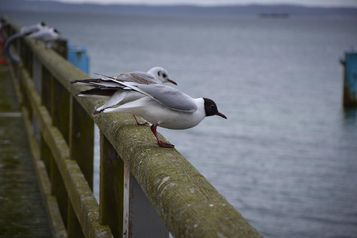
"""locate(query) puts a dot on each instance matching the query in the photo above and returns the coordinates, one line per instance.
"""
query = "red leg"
(160, 142)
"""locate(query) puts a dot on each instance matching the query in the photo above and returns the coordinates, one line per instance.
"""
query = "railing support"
(111, 203)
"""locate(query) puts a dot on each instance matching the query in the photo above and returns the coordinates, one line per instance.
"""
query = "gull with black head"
(164, 106)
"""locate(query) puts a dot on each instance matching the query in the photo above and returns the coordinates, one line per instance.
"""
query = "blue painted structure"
(78, 56)
(350, 79)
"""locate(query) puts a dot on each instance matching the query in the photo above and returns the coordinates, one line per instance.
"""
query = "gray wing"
(137, 77)
(43, 35)
(29, 29)
(169, 97)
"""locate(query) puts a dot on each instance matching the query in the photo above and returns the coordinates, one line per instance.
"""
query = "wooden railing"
(145, 191)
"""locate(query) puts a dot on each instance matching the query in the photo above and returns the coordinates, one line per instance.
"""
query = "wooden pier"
(21, 213)
(145, 191)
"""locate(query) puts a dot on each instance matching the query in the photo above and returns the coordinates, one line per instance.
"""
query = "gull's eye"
(164, 75)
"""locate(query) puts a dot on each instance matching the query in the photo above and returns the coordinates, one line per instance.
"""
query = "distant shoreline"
(264, 11)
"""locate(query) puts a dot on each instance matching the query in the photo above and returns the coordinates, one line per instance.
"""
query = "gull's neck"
(200, 104)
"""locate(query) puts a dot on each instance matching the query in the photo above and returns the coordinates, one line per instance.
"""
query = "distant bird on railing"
(27, 30)
(24, 31)
(163, 106)
(39, 31)
(47, 34)
(109, 86)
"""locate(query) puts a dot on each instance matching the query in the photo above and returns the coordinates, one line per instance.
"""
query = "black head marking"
(43, 23)
(211, 108)
(159, 73)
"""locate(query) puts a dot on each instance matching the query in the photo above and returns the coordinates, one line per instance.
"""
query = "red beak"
(221, 115)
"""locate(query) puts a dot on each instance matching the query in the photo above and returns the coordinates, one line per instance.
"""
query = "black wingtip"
(96, 112)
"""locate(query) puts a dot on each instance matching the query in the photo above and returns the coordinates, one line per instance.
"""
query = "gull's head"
(42, 23)
(161, 74)
(211, 108)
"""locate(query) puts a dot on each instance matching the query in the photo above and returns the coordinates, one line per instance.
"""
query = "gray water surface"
(286, 158)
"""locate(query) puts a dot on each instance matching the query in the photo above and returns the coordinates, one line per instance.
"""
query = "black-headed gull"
(164, 106)
(109, 86)
(47, 34)
(24, 31)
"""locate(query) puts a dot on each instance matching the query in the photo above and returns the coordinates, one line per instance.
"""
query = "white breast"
(167, 118)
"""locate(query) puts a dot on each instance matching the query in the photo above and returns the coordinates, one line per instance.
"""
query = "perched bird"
(164, 106)
(109, 86)
(47, 34)
(24, 31)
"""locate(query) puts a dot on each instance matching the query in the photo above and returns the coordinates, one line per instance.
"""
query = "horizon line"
(197, 4)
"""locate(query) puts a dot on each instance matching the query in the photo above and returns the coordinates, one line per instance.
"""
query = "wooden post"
(61, 47)
(350, 79)
(74, 229)
(46, 89)
(111, 189)
(37, 78)
(82, 140)
(58, 189)
(60, 108)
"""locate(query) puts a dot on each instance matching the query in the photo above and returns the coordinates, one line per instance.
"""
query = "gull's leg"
(160, 142)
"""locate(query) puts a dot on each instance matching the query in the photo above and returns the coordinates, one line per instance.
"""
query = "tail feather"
(99, 83)
(98, 92)
(86, 81)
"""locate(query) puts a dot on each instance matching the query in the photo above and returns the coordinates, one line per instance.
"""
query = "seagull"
(164, 106)
(110, 86)
(24, 31)
(46, 34)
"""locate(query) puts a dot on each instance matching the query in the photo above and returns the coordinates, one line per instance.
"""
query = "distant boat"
(274, 15)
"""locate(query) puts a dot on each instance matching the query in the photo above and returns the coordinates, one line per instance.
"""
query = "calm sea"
(287, 155)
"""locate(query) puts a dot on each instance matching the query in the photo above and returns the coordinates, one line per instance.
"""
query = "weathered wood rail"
(145, 191)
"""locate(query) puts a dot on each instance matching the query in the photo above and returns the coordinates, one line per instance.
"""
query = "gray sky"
(220, 2)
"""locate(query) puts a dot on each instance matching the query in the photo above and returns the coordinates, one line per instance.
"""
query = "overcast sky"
(220, 2)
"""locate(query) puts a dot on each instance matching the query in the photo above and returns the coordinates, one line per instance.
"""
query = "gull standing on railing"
(24, 31)
(47, 34)
(108, 86)
(163, 106)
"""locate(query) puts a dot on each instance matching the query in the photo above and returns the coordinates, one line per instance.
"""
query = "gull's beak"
(171, 81)
(221, 115)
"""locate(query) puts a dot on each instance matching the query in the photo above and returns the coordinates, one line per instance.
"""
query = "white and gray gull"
(163, 106)
(46, 34)
(107, 86)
